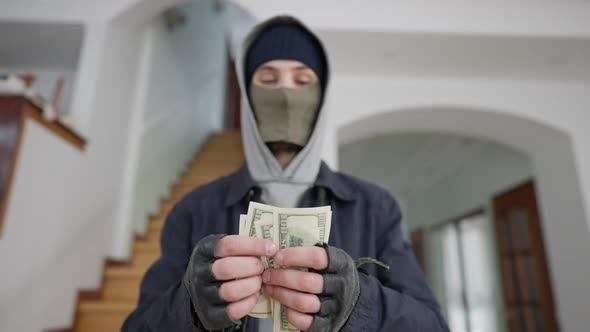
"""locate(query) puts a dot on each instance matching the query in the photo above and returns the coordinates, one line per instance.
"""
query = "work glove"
(341, 291)
(203, 288)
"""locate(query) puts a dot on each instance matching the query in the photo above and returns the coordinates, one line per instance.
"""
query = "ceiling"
(381, 53)
(502, 39)
(63, 10)
(409, 164)
(452, 56)
(40, 45)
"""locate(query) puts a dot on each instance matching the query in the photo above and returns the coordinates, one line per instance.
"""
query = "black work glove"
(203, 288)
(341, 291)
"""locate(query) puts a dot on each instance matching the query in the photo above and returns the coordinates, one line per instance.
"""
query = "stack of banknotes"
(286, 228)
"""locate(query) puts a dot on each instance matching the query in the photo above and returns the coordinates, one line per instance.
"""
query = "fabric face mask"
(286, 115)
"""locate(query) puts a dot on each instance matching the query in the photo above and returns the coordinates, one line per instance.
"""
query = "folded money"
(286, 227)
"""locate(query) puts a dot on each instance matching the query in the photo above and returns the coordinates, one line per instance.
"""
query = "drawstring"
(251, 195)
(321, 196)
(238, 327)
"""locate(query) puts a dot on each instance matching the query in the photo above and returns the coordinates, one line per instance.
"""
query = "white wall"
(62, 209)
(66, 204)
(42, 225)
(545, 119)
(179, 103)
(62, 10)
(472, 186)
(59, 222)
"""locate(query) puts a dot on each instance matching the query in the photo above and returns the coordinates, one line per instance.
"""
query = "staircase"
(106, 309)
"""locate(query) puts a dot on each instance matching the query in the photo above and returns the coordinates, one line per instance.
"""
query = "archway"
(558, 186)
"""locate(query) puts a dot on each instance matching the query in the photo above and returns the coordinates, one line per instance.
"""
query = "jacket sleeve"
(164, 304)
(397, 299)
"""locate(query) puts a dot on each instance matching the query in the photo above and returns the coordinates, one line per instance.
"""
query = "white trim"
(87, 75)
(123, 228)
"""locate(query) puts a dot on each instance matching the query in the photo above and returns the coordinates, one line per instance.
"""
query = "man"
(206, 280)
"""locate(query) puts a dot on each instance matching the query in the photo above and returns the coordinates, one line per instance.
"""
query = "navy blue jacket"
(366, 222)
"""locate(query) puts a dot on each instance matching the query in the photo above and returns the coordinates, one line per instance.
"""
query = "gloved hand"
(341, 291)
(320, 299)
(223, 278)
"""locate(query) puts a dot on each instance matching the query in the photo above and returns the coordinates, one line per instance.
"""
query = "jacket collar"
(241, 183)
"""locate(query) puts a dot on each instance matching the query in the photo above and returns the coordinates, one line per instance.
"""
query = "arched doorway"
(550, 150)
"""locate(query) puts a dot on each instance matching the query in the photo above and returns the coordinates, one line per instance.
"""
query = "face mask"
(286, 115)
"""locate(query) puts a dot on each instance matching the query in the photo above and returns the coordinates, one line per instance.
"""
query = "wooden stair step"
(187, 185)
(100, 316)
(127, 272)
(96, 306)
(211, 154)
(224, 140)
(121, 290)
(153, 234)
(165, 207)
(204, 176)
(156, 226)
(191, 182)
(226, 151)
(215, 151)
(209, 161)
(147, 246)
(144, 259)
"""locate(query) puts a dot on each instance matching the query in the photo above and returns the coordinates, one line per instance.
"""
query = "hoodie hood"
(281, 187)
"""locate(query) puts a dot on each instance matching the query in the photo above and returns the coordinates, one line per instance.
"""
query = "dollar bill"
(296, 228)
(265, 231)
(260, 215)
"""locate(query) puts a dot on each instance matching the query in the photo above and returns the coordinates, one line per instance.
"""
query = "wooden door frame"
(537, 242)
(233, 94)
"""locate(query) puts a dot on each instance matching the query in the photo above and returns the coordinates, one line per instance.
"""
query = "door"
(417, 241)
(233, 95)
(527, 286)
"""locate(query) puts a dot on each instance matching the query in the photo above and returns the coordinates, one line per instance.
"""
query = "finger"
(302, 302)
(312, 257)
(232, 291)
(236, 245)
(308, 282)
(230, 268)
(298, 319)
(237, 310)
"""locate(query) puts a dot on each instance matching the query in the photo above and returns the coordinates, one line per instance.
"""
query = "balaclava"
(285, 115)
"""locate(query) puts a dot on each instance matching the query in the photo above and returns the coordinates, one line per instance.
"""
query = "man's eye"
(303, 80)
(267, 79)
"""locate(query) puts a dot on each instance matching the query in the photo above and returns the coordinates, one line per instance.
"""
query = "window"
(468, 275)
